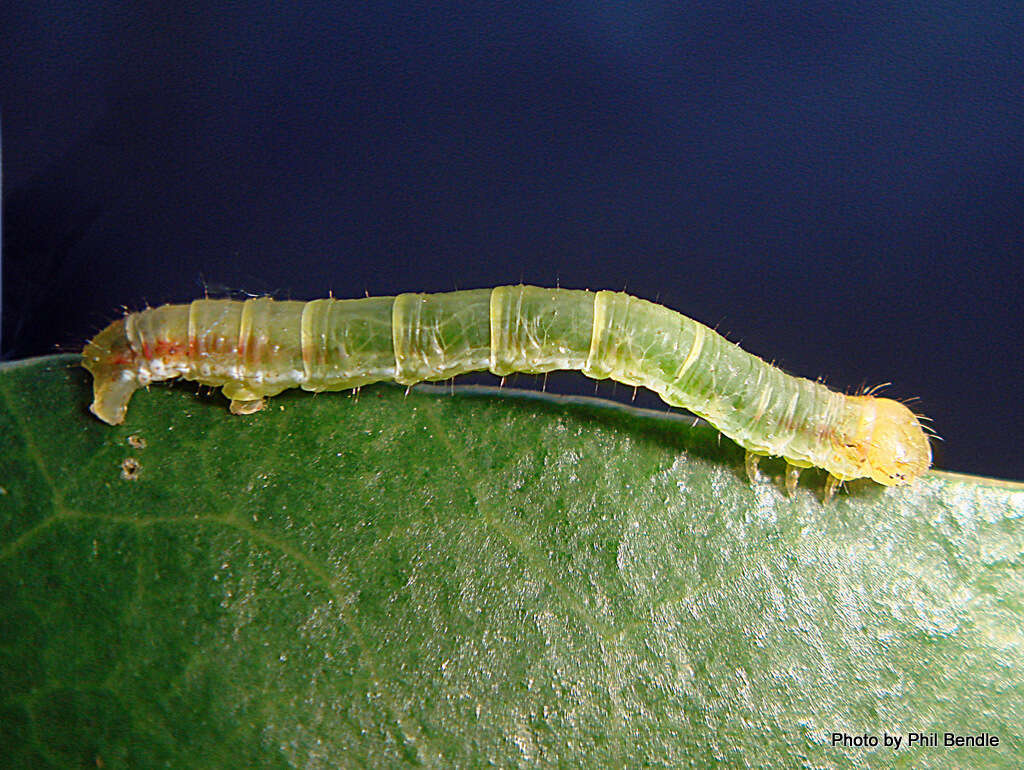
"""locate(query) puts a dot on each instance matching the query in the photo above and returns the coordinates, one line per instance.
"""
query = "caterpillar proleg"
(259, 347)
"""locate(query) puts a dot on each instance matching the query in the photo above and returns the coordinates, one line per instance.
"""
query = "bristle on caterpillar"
(259, 347)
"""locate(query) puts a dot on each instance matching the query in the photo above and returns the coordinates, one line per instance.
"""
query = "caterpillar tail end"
(110, 360)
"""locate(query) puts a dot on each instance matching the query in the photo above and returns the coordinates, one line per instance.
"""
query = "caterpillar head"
(111, 362)
(895, 446)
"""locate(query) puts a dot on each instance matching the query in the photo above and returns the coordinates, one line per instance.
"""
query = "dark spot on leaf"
(130, 469)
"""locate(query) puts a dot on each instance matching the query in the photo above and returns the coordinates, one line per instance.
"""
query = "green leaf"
(475, 580)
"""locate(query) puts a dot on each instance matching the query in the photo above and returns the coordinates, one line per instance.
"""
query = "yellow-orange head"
(890, 441)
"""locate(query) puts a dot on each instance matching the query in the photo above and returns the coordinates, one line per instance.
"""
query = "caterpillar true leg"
(831, 485)
(792, 477)
(751, 460)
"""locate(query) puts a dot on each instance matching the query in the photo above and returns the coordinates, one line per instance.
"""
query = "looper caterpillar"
(259, 347)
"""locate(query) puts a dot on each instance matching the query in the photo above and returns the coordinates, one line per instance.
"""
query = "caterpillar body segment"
(259, 347)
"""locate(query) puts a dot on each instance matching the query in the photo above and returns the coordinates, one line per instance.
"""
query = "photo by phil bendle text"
(895, 741)
(259, 347)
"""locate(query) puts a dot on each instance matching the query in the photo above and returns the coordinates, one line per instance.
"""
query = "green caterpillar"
(259, 347)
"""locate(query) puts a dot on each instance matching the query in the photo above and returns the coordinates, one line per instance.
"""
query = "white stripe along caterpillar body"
(259, 347)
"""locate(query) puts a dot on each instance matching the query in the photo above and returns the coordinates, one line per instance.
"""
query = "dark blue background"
(838, 187)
